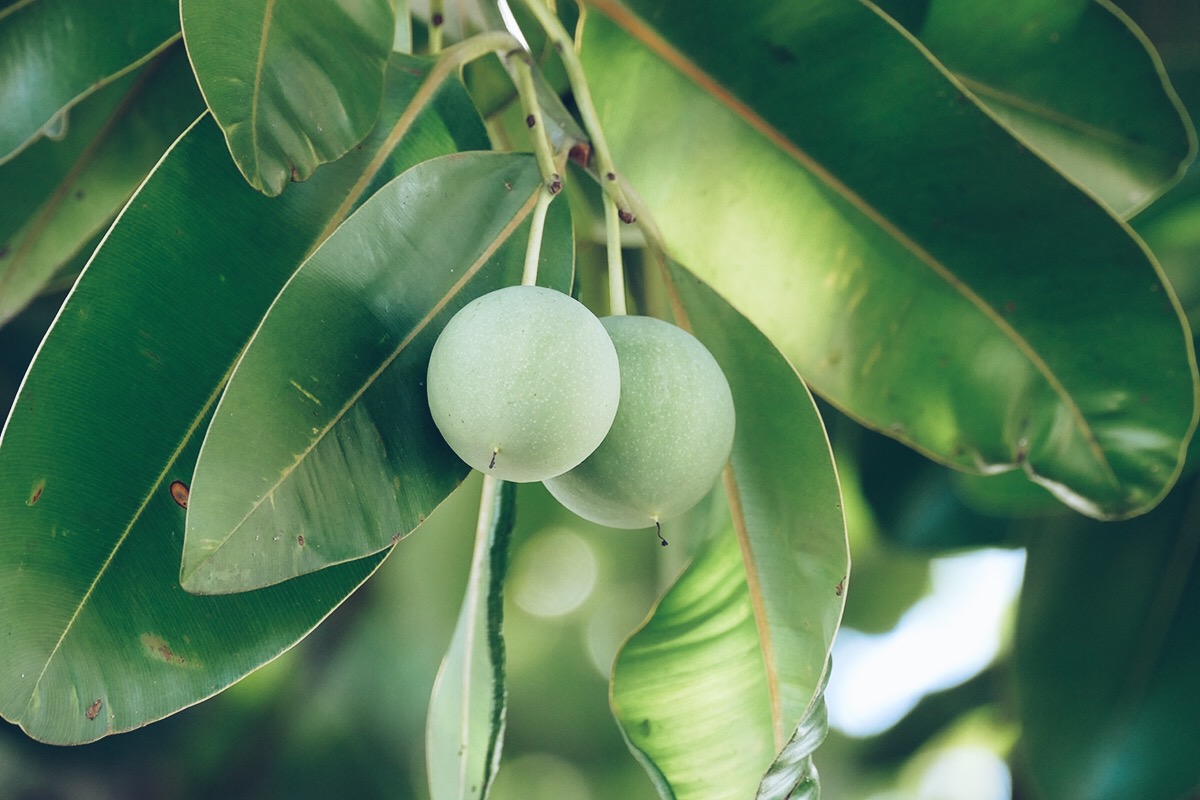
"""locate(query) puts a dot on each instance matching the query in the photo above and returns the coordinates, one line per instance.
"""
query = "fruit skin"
(672, 435)
(527, 375)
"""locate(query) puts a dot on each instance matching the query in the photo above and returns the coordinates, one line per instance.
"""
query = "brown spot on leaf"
(158, 648)
(37, 493)
(179, 493)
(295, 173)
(300, 540)
(93, 710)
(840, 588)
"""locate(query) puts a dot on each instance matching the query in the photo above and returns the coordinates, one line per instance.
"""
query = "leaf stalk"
(565, 45)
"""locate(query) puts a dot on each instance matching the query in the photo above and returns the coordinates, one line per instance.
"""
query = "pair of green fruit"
(627, 420)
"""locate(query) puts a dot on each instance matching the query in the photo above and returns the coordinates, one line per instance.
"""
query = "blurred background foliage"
(982, 611)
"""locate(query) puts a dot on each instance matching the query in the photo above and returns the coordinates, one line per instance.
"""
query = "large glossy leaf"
(921, 267)
(100, 445)
(1077, 81)
(689, 686)
(53, 52)
(712, 686)
(466, 713)
(920, 505)
(1107, 654)
(322, 449)
(293, 84)
(60, 194)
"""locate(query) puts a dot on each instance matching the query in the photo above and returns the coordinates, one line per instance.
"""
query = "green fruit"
(523, 383)
(672, 435)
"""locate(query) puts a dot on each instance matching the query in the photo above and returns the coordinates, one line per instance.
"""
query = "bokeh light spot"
(554, 573)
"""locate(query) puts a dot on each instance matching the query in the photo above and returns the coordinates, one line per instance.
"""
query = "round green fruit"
(672, 435)
(523, 383)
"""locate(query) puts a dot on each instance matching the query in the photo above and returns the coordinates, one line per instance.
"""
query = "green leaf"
(101, 443)
(293, 84)
(731, 662)
(1107, 656)
(689, 687)
(920, 505)
(55, 52)
(326, 452)
(1077, 81)
(1171, 228)
(466, 713)
(64, 193)
(793, 776)
(921, 268)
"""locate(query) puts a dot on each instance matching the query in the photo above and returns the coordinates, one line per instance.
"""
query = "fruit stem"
(522, 69)
(470, 49)
(616, 267)
(582, 93)
(537, 224)
(437, 17)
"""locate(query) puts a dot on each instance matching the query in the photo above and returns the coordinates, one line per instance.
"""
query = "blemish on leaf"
(179, 493)
(626, 216)
(437, 20)
(158, 648)
(295, 174)
(530, 120)
(93, 710)
(37, 493)
(78, 194)
(508, 185)
(781, 54)
(840, 588)
(304, 392)
(300, 540)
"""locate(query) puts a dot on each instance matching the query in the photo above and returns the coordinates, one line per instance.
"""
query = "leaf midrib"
(642, 32)
(256, 92)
